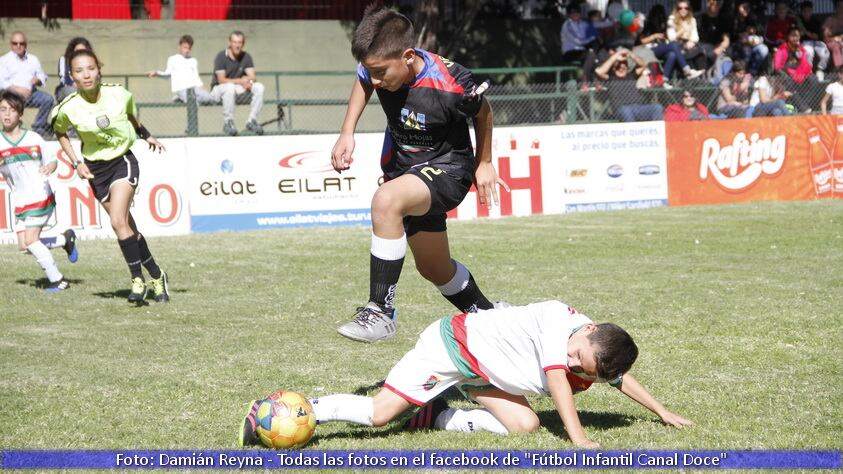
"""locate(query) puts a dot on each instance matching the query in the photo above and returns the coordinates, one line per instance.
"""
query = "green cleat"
(160, 288)
(139, 290)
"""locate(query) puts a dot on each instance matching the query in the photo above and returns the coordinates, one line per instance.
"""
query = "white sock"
(465, 421)
(54, 242)
(389, 249)
(352, 408)
(45, 259)
(458, 282)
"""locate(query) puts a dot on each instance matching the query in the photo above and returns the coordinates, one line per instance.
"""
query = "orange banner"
(726, 161)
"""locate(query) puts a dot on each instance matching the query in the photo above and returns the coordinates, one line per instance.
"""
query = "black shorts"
(448, 184)
(109, 172)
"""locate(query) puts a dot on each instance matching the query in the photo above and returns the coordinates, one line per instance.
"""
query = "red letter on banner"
(174, 204)
(87, 201)
(533, 182)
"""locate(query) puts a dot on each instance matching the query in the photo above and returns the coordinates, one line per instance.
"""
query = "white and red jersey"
(513, 347)
(19, 164)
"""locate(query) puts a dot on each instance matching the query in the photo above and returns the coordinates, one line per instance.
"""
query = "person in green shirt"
(105, 118)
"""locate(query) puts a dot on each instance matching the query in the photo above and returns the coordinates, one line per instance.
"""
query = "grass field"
(736, 310)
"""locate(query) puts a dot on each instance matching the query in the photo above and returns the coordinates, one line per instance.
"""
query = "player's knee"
(380, 419)
(524, 424)
(385, 204)
(257, 88)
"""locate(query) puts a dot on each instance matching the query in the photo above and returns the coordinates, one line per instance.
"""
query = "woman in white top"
(768, 97)
(682, 28)
(834, 91)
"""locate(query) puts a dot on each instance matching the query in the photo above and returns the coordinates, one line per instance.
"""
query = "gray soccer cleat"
(229, 129)
(370, 324)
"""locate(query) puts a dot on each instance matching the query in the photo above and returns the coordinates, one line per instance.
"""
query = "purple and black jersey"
(427, 119)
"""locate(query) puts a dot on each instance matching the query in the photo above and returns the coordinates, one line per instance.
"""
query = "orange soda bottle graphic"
(820, 163)
(837, 162)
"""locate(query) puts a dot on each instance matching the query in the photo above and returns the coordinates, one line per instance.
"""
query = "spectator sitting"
(682, 29)
(791, 59)
(779, 25)
(768, 97)
(688, 108)
(833, 34)
(746, 44)
(833, 91)
(626, 99)
(713, 29)
(733, 101)
(66, 86)
(234, 79)
(21, 73)
(183, 71)
(578, 44)
(654, 36)
(811, 29)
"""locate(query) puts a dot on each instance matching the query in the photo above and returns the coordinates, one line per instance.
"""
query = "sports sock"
(131, 252)
(462, 291)
(54, 242)
(352, 408)
(147, 260)
(45, 259)
(387, 258)
(479, 419)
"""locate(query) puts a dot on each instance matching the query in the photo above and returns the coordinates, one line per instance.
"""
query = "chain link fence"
(315, 102)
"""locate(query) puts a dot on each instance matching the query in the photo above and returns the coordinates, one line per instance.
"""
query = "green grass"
(736, 310)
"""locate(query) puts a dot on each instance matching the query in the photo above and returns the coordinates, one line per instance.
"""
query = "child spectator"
(183, 71)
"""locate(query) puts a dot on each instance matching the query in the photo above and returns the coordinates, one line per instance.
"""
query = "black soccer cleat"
(70, 245)
(426, 416)
(248, 432)
(57, 286)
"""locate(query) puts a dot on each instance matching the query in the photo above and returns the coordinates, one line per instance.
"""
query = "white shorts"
(427, 370)
(45, 222)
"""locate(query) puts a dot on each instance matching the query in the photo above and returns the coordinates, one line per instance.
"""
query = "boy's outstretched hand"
(486, 179)
(675, 420)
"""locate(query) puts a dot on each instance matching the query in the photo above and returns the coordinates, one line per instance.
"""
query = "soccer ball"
(285, 420)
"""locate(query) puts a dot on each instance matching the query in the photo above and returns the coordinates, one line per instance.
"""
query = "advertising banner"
(159, 208)
(729, 161)
(265, 182)
(613, 166)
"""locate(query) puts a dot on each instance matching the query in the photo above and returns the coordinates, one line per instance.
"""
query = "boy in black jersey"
(428, 163)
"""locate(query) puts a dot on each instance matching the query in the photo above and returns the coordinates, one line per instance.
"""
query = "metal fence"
(315, 102)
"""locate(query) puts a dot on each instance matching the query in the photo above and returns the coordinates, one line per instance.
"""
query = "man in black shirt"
(713, 26)
(627, 101)
(234, 81)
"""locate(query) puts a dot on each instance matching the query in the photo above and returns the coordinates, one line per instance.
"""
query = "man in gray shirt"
(234, 81)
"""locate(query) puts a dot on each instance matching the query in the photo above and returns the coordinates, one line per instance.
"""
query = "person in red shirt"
(688, 108)
(778, 26)
(790, 58)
